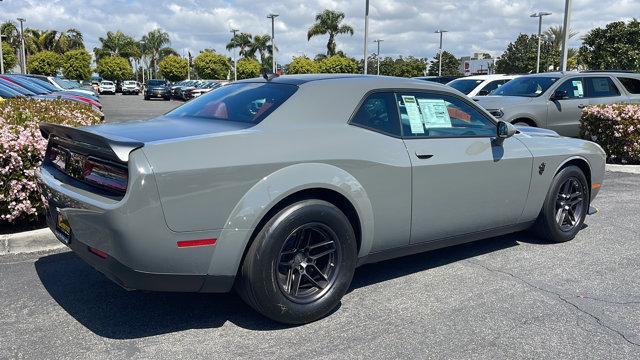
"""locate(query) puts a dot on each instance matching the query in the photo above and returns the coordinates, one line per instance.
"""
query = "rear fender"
(269, 191)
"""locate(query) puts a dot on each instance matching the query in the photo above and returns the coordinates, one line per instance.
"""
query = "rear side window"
(632, 85)
(601, 87)
(487, 89)
(378, 112)
(241, 102)
(465, 86)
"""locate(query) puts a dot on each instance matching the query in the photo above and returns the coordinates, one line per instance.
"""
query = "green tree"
(44, 63)
(520, 56)
(302, 65)
(337, 64)
(114, 68)
(156, 46)
(616, 46)
(450, 65)
(8, 56)
(210, 65)
(11, 34)
(244, 42)
(248, 68)
(76, 65)
(51, 40)
(412, 67)
(329, 22)
(554, 36)
(117, 44)
(262, 45)
(174, 68)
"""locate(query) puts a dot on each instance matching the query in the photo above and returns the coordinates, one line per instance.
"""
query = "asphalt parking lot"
(506, 297)
(133, 107)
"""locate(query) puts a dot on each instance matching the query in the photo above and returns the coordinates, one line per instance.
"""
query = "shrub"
(174, 68)
(114, 68)
(210, 65)
(248, 68)
(302, 65)
(9, 56)
(76, 65)
(22, 148)
(44, 63)
(337, 64)
(616, 128)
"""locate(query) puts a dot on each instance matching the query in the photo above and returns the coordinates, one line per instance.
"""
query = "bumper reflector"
(98, 253)
(201, 242)
(596, 186)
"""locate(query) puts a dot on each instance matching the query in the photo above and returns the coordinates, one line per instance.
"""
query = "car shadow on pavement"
(110, 311)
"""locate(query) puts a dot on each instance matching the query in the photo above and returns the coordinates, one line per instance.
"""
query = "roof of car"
(487, 77)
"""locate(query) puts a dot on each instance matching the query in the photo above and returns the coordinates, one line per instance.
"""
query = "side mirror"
(504, 130)
(560, 95)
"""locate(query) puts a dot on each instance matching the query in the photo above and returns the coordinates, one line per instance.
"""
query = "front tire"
(565, 206)
(300, 264)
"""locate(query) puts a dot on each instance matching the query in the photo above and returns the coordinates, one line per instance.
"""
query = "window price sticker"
(435, 113)
(413, 112)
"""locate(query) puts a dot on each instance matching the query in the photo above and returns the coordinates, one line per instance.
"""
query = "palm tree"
(262, 45)
(554, 35)
(52, 40)
(117, 44)
(328, 22)
(155, 45)
(243, 41)
(69, 40)
(11, 33)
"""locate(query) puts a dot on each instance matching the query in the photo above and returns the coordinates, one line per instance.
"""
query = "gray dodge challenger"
(280, 187)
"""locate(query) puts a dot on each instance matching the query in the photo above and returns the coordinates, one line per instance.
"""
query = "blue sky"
(405, 26)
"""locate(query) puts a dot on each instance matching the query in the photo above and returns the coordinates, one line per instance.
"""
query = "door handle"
(424, 156)
(582, 106)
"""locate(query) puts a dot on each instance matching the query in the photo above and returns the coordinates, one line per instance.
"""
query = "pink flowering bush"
(22, 148)
(616, 128)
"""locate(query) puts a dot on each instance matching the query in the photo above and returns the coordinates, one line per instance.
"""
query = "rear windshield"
(156, 82)
(241, 102)
(527, 86)
(465, 86)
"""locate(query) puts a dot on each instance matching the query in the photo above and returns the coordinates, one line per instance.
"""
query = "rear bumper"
(141, 251)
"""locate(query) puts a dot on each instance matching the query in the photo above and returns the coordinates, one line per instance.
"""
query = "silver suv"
(555, 100)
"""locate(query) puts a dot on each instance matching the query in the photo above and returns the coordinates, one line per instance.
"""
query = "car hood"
(165, 128)
(156, 87)
(500, 102)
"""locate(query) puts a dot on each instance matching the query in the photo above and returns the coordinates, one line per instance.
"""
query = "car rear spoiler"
(119, 148)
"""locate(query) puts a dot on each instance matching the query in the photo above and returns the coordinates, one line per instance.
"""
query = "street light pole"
(366, 34)
(565, 34)
(378, 54)
(440, 59)
(23, 60)
(142, 60)
(539, 15)
(1, 56)
(273, 42)
(235, 61)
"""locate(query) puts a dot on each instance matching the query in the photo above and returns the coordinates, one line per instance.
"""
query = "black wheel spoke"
(569, 204)
(313, 281)
(317, 271)
(321, 254)
(295, 283)
(324, 243)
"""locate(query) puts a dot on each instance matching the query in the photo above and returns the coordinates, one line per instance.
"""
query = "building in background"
(478, 64)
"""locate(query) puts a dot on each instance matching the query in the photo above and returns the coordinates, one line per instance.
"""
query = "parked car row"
(188, 89)
(34, 87)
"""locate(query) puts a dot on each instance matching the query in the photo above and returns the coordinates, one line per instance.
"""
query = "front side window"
(526, 86)
(241, 102)
(574, 88)
(601, 87)
(378, 112)
(435, 115)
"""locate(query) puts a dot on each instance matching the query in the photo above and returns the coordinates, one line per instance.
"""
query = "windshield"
(241, 102)
(465, 86)
(65, 84)
(156, 82)
(527, 86)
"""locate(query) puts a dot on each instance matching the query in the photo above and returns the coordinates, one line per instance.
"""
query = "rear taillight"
(106, 175)
(58, 157)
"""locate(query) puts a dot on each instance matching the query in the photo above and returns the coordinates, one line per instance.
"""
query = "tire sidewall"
(272, 302)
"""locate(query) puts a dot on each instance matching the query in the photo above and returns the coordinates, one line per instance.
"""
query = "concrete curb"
(29, 241)
(629, 169)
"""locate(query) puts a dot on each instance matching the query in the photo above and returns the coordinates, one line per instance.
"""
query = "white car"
(130, 87)
(107, 87)
(480, 85)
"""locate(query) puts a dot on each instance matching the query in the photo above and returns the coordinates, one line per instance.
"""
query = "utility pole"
(1, 56)
(142, 60)
(23, 56)
(565, 34)
(366, 34)
(273, 41)
(440, 51)
(539, 15)
(235, 61)
(378, 54)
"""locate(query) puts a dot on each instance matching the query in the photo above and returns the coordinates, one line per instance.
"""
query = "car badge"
(541, 168)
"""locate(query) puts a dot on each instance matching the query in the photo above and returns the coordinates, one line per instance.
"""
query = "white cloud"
(406, 26)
